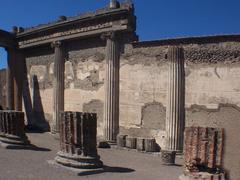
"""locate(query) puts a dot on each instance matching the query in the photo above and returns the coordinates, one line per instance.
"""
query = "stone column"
(111, 111)
(9, 81)
(175, 100)
(58, 85)
(18, 69)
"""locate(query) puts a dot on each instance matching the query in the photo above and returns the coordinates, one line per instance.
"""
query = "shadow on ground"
(106, 169)
(29, 147)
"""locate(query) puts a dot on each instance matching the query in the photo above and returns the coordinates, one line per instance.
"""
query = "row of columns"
(111, 114)
(175, 93)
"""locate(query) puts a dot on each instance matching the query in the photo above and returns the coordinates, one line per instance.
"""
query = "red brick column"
(12, 128)
(78, 144)
(203, 149)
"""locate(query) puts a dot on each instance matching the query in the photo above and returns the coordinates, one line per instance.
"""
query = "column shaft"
(58, 85)
(10, 82)
(18, 78)
(112, 89)
(175, 100)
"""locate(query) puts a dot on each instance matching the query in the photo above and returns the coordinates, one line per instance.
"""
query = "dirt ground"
(33, 164)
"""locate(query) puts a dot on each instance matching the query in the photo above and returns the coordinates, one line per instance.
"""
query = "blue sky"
(157, 19)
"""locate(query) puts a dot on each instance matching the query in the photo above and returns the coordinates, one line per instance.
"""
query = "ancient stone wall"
(211, 87)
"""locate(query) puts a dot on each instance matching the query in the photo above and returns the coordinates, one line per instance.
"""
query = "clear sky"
(157, 19)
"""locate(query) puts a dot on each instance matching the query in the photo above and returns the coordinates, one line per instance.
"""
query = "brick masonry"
(203, 151)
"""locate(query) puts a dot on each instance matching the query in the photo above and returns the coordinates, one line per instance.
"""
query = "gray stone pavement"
(32, 164)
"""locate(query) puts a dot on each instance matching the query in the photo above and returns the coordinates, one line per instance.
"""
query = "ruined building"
(94, 63)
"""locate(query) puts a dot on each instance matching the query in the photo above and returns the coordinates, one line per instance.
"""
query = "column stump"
(140, 144)
(203, 153)
(131, 142)
(12, 129)
(150, 145)
(168, 157)
(78, 144)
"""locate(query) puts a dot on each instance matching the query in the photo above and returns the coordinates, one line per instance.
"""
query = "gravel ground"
(33, 164)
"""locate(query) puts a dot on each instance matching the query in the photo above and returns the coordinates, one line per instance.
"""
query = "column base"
(11, 140)
(78, 161)
(168, 157)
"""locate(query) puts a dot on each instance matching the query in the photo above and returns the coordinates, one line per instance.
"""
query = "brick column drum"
(78, 141)
(12, 128)
(203, 150)
(111, 113)
(58, 85)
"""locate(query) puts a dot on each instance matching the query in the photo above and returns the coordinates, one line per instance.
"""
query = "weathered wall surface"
(212, 88)
(143, 85)
(212, 94)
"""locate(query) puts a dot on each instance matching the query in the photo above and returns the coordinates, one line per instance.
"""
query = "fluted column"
(111, 111)
(18, 78)
(175, 121)
(9, 80)
(58, 85)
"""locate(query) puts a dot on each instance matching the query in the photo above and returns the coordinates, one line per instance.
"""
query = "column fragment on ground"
(111, 113)
(58, 85)
(78, 141)
(175, 100)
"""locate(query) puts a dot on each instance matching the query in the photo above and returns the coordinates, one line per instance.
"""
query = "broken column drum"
(111, 113)
(203, 150)
(12, 128)
(78, 144)
(175, 100)
(58, 84)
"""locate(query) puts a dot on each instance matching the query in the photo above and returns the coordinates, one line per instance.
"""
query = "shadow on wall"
(33, 107)
(38, 112)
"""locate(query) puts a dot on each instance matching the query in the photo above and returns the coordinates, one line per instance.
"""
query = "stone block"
(121, 140)
(150, 145)
(131, 142)
(140, 144)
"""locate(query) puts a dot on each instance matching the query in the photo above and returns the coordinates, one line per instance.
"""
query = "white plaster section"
(140, 84)
(84, 69)
(40, 71)
(75, 98)
(69, 73)
(211, 86)
(51, 68)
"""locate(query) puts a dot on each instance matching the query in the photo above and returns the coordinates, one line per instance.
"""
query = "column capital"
(56, 44)
(113, 35)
